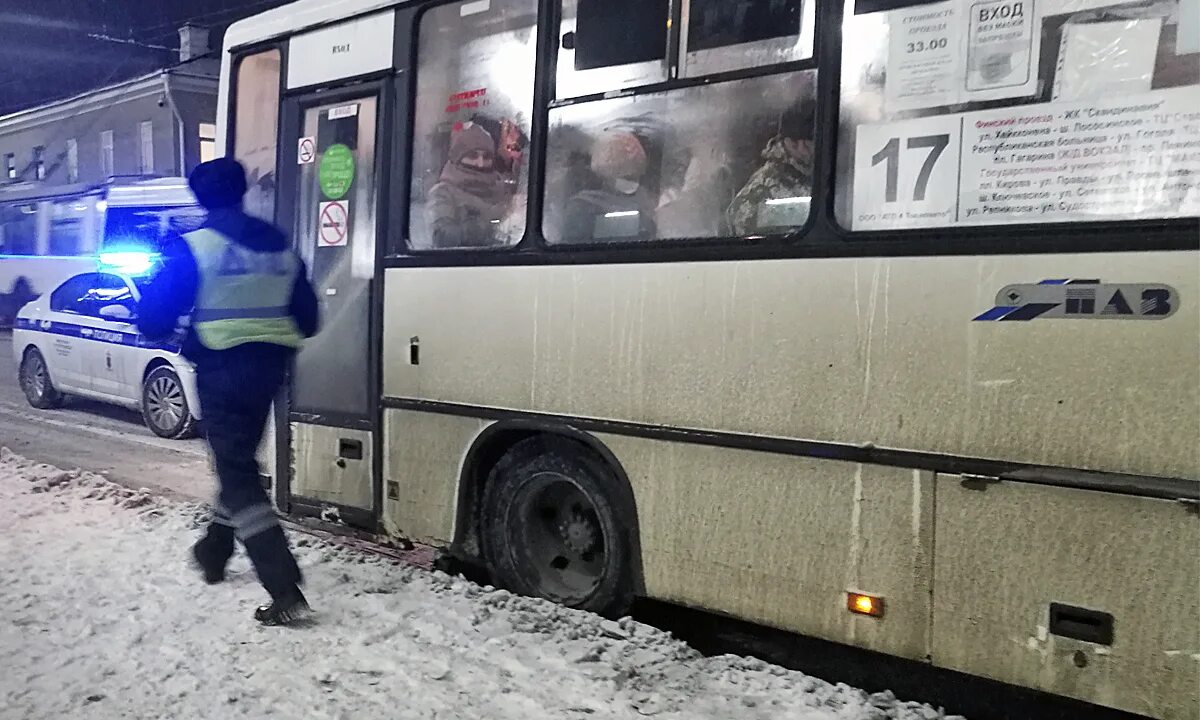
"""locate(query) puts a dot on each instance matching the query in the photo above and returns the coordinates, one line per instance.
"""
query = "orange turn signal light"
(863, 604)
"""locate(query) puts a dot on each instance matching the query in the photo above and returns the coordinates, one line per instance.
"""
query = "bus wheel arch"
(511, 449)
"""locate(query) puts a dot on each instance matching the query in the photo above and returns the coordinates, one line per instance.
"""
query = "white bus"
(50, 234)
(874, 320)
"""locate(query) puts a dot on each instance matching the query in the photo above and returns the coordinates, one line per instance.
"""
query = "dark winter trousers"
(236, 388)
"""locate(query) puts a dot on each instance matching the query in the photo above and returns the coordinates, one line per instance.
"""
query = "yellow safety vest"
(243, 296)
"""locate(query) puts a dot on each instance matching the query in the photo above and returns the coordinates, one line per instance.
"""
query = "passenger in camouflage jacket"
(786, 173)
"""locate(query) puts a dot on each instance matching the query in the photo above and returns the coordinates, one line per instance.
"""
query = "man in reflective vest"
(250, 306)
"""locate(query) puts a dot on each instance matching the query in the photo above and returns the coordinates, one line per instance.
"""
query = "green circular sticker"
(336, 172)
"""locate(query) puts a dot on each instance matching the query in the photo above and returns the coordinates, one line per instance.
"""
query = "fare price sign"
(906, 174)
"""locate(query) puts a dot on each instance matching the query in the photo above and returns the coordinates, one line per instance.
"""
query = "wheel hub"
(579, 533)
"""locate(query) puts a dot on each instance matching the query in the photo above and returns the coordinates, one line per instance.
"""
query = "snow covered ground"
(103, 618)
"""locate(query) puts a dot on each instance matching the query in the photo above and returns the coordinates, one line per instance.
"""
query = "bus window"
(611, 44)
(719, 35)
(148, 228)
(69, 222)
(19, 229)
(731, 158)
(958, 113)
(475, 67)
(255, 126)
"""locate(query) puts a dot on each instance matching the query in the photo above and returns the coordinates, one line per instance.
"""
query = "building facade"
(160, 124)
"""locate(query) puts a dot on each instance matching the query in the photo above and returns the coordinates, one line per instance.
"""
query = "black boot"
(212, 552)
(285, 610)
(279, 574)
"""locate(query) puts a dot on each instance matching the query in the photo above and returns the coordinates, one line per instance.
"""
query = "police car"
(80, 339)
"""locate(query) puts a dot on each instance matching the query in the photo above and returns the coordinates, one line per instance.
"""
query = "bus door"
(330, 191)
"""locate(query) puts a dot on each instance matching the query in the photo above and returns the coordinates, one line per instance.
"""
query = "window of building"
(208, 141)
(146, 145)
(475, 68)
(958, 114)
(611, 44)
(255, 127)
(730, 158)
(106, 154)
(39, 162)
(10, 166)
(72, 160)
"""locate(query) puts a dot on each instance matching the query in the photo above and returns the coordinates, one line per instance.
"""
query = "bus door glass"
(335, 235)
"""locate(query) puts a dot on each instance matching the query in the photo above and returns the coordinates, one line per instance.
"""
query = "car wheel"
(556, 526)
(165, 406)
(36, 383)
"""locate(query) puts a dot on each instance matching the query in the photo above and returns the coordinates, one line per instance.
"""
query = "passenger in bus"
(778, 194)
(471, 197)
(620, 208)
(696, 208)
(510, 145)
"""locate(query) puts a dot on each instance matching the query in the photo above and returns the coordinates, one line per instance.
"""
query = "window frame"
(38, 161)
(676, 82)
(1092, 236)
(397, 243)
(146, 147)
(72, 160)
(108, 154)
(533, 243)
(237, 57)
(821, 237)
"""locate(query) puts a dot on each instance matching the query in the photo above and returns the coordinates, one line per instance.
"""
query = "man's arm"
(170, 294)
(304, 304)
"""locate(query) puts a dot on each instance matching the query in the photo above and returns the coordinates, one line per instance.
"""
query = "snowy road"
(99, 438)
(105, 620)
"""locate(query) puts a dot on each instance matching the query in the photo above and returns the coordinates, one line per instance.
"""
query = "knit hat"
(619, 155)
(218, 183)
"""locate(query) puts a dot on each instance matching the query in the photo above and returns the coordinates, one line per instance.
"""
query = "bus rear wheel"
(555, 527)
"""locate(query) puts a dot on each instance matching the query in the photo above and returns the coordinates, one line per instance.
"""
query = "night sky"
(46, 52)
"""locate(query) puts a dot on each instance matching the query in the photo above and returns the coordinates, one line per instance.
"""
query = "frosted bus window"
(610, 45)
(719, 36)
(471, 128)
(256, 127)
(962, 113)
(732, 158)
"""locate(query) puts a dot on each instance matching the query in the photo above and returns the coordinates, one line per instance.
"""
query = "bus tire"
(164, 405)
(556, 526)
(36, 382)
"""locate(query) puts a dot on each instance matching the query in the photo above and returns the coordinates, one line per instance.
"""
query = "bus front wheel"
(555, 526)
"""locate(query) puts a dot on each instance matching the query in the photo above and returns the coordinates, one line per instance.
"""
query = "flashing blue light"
(127, 262)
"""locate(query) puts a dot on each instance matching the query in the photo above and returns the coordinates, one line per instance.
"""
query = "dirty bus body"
(736, 314)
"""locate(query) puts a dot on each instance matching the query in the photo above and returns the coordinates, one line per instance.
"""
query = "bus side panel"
(422, 465)
(779, 540)
(1004, 553)
(879, 350)
(321, 473)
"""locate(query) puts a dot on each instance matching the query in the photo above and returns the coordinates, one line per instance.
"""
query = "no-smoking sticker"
(333, 225)
(307, 152)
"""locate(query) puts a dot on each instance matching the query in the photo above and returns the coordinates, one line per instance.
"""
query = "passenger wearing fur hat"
(620, 208)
